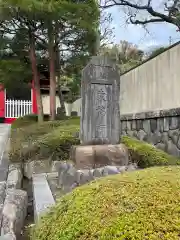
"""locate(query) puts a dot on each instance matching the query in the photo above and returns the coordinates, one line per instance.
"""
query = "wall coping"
(151, 114)
(151, 58)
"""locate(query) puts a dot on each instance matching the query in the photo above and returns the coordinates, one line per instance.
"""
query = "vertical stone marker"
(100, 117)
(100, 89)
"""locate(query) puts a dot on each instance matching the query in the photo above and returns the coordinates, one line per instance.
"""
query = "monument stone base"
(95, 156)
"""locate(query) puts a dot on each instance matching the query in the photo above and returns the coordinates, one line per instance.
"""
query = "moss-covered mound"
(147, 155)
(42, 141)
(138, 205)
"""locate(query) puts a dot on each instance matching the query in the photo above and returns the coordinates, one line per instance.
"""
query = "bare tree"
(169, 12)
(106, 30)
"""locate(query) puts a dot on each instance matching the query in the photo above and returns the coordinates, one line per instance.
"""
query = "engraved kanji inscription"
(100, 131)
(101, 95)
(100, 103)
(101, 110)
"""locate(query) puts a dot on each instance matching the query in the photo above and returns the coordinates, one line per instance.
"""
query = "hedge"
(147, 155)
(41, 141)
(138, 205)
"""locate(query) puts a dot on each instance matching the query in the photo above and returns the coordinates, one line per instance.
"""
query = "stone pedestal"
(95, 156)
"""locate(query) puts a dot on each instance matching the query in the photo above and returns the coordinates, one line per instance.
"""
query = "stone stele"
(100, 89)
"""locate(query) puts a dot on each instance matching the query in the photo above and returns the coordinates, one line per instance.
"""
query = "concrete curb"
(43, 198)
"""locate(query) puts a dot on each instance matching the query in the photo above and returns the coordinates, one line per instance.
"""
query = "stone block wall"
(69, 177)
(160, 128)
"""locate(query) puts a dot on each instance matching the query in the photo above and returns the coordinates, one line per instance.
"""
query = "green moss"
(139, 205)
(47, 140)
(146, 155)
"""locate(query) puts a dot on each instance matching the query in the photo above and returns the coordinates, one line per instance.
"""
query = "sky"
(156, 34)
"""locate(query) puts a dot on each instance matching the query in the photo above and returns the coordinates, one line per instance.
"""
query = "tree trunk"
(58, 69)
(61, 98)
(36, 79)
(60, 95)
(52, 91)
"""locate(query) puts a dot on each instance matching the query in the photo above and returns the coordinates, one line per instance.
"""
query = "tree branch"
(157, 16)
(125, 3)
(153, 20)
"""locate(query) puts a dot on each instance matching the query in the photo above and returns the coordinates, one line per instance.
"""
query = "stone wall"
(153, 85)
(13, 204)
(160, 128)
(69, 177)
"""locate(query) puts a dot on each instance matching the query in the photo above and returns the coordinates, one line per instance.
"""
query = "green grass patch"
(24, 121)
(138, 205)
(51, 139)
(30, 119)
(147, 155)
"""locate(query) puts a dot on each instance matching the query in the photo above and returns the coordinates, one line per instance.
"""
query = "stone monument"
(100, 90)
(100, 117)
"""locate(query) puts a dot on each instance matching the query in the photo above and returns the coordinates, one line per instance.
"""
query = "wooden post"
(2, 101)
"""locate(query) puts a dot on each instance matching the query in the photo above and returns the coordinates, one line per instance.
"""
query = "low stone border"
(38, 167)
(15, 176)
(42, 195)
(69, 177)
(13, 200)
(14, 211)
